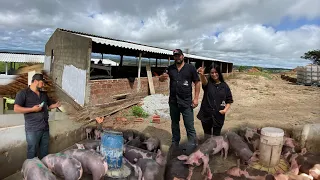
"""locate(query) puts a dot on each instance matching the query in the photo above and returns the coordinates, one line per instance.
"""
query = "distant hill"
(264, 68)
(22, 51)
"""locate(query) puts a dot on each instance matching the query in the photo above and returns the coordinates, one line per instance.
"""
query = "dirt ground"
(259, 100)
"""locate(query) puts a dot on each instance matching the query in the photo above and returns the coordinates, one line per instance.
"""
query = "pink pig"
(212, 146)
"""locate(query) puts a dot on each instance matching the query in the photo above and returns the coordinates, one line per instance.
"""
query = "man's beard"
(179, 61)
(38, 88)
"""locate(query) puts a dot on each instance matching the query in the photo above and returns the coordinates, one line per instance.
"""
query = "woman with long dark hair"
(216, 101)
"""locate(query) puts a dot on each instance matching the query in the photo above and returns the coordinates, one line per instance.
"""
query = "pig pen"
(307, 135)
(13, 147)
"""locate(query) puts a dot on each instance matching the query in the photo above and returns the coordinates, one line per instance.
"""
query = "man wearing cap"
(34, 104)
(180, 100)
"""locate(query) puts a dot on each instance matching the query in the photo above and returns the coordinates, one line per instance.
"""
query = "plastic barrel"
(112, 148)
(271, 142)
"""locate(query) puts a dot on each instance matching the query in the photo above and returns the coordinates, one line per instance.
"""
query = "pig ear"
(182, 157)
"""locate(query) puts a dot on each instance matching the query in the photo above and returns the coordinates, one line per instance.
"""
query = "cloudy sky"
(268, 33)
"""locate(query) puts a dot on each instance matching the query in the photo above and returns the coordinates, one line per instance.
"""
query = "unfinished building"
(69, 62)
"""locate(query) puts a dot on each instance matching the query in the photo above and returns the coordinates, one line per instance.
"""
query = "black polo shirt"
(215, 98)
(181, 84)
(35, 121)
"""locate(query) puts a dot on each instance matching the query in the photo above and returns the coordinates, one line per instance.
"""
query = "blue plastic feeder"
(112, 148)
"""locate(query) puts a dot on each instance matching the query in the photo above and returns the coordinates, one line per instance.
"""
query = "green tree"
(313, 55)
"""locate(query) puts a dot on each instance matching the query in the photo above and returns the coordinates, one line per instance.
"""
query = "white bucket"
(271, 142)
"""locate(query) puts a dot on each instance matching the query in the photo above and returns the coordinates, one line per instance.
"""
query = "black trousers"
(188, 119)
(209, 129)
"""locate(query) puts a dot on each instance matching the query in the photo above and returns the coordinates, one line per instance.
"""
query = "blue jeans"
(37, 140)
(188, 119)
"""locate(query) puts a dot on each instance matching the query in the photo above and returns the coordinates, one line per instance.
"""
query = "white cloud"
(257, 42)
(173, 24)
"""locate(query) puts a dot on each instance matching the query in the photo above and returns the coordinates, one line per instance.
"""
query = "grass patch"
(137, 111)
(264, 74)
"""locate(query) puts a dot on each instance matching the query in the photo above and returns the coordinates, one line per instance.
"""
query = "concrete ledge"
(10, 120)
(13, 147)
(308, 136)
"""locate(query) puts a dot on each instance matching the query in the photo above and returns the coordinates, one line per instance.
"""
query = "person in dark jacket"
(216, 101)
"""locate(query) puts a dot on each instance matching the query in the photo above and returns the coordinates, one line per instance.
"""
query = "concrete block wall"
(102, 91)
(68, 49)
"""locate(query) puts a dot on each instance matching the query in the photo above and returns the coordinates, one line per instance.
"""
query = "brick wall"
(102, 91)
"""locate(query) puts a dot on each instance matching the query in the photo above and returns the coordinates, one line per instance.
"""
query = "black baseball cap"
(39, 77)
(177, 51)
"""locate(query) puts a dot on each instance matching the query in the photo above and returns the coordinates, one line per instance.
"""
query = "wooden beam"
(6, 68)
(227, 69)
(139, 72)
(2, 105)
(150, 80)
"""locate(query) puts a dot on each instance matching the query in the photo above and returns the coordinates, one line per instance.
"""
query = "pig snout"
(234, 171)
(315, 171)
(97, 133)
(294, 169)
(161, 158)
(152, 143)
(105, 165)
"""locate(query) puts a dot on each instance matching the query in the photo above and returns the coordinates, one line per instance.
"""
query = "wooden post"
(102, 55)
(2, 105)
(221, 67)
(156, 62)
(202, 64)
(139, 71)
(150, 80)
(6, 68)
(169, 65)
(227, 69)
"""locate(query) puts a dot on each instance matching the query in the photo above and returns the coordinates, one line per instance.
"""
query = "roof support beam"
(6, 68)
(139, 72)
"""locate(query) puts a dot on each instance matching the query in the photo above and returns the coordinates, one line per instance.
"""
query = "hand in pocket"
(222, 112)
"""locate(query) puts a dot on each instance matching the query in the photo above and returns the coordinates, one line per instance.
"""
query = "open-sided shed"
(68, 59)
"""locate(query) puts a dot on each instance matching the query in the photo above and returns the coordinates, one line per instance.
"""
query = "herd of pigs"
(148, 162)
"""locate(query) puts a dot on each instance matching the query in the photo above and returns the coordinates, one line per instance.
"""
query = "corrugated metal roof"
(21, 58)
(135, 46)
(203, 58)
(127, 45)
(105, 61)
